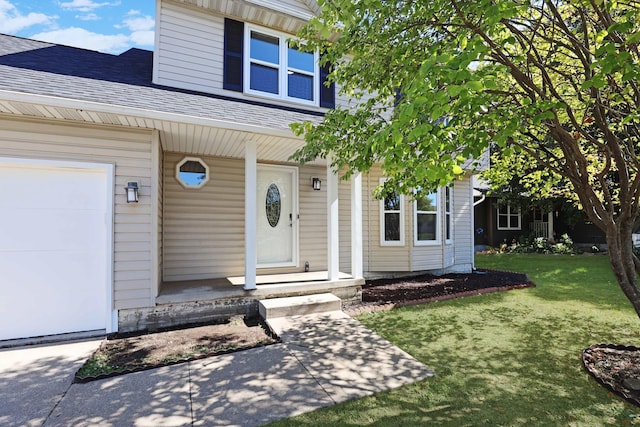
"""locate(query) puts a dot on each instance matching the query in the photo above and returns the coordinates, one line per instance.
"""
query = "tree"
(554, 82)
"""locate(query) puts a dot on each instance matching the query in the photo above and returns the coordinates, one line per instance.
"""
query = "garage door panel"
(28, 229)
(67, 188)
(53, 252)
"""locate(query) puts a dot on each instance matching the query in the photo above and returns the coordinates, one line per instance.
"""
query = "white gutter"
(75, 104)
(484, 196)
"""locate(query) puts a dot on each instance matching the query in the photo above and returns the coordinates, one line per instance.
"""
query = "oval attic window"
(192, 172)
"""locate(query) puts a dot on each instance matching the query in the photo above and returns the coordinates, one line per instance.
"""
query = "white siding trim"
(333, 227)
(250, 223)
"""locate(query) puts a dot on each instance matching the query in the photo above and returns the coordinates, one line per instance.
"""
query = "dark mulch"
(383, 294)
(615, 367)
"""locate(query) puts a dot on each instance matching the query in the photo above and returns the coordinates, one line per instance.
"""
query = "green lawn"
(508, 358)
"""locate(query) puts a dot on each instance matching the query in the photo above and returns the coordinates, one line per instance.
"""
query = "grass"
(508, 358)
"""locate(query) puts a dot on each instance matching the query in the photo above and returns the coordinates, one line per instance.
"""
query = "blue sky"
(105, 26)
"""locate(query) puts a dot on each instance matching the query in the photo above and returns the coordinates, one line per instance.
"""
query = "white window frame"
(448, 213)
(283, 67)
(383, 212)
(437, 214)
(508, 214)
(185, 184)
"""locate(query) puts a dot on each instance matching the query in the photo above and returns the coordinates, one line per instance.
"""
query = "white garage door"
(54, 248)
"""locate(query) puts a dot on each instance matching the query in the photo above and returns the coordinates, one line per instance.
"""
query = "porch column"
(356, 226)
(550, 224)
(250, 209)
(333, 243)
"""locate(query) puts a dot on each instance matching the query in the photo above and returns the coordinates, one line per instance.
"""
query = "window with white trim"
(276, 69)
(448, 207)
(392, 220)
(509, 217)
(426, 219)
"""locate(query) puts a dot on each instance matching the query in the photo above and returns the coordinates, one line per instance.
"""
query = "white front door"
(277, 216)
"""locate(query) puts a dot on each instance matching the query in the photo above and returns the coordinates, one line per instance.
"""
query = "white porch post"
(250, 209)
(356, 226)
(333, 243)
(550, 224)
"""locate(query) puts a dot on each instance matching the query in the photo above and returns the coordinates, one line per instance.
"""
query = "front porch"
(267, 286)
(209, 300)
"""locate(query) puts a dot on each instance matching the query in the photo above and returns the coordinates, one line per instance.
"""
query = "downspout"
(484, 196)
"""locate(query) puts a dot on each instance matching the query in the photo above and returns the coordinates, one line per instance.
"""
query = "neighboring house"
(497, 221)
(222, 218)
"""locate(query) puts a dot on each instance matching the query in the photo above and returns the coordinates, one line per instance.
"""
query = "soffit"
(287, 16)
(189, 138)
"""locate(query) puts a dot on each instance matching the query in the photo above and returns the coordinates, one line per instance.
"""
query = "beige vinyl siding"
(204, 228)
(131, 153)
(313, 219)
(463, 224)
(383, 258)
(190, 49)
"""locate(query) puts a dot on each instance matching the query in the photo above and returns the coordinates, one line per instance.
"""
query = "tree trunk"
(623, 261)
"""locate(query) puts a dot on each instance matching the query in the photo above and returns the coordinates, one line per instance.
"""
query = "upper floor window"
(508, 217)
(263, 62)
(278, 69)
(392, 220)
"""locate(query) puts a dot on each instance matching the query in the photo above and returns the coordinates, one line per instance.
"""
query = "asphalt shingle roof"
(41, 68)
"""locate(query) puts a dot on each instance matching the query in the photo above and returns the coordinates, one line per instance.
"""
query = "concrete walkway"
(323, 360)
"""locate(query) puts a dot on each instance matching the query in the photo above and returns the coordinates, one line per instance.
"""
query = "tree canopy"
(552, 82)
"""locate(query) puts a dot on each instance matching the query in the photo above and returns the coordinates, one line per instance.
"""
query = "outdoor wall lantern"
(132, 192)
(316, 183)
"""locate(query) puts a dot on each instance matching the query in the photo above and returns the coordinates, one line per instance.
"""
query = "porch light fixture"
(132, 192)
(316, 183)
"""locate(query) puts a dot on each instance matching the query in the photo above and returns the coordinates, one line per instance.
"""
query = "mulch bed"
(616, 367)
(385, 294)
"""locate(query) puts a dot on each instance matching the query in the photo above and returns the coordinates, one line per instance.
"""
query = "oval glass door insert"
(273, 205)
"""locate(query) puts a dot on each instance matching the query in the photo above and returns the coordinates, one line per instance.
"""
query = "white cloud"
(82, 38)
(86, 5)
(12, 21)
(143, 38)
(88, 17)
(142, 23)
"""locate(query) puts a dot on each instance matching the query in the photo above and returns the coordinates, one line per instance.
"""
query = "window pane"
(392, 227)
(300, 60)
(502, 221)
(426, 227)
(264, 48)
(447, 200)
(514, 221)
(503, 209)
(300, 86)
(448, 226)
(392, 202)
(192, 173)
(273, 205)
(264, 79)
(428, 203)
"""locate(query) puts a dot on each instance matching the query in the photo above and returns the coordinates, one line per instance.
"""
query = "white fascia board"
(279, 7)
(53, 101)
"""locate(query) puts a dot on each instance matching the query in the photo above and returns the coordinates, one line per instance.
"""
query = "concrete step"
(298, 306)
